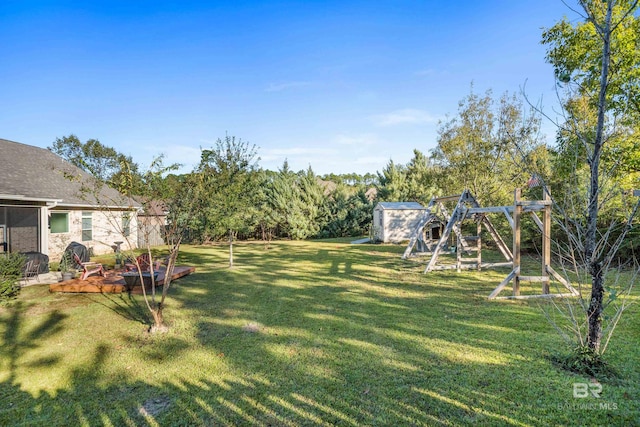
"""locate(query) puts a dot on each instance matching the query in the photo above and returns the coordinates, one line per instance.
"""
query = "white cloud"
(278, 87)
(298, 157)
(405, 116)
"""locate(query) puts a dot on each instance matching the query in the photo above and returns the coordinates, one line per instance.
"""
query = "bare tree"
(177, 206)
(175, 202)
(597, 106)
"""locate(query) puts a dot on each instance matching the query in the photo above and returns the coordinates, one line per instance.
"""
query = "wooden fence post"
(517, 213)
(546, 239)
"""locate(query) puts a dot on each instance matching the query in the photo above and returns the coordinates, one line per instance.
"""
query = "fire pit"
(132, 278)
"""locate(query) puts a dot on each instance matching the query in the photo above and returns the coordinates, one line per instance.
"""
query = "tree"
(296, 202)
(338, 207)
(178, 195)
(478, 148)
(597, 62)
(420, 178)
(11, 268)
(577, 53)
(178, 199)
(266, 219)
(313, 201)
(105, 163)
(228, 174)
(149, 188)
(392, 183)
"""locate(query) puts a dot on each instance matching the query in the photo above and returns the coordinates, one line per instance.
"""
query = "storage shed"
(394, 222)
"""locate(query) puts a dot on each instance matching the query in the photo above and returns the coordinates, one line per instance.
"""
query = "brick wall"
(106, 229)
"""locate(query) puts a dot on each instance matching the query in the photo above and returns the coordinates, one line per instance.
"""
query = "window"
(87, 226)
(59, 222)
(126, 224)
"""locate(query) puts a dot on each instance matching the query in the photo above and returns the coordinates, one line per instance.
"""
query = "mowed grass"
(304, 333)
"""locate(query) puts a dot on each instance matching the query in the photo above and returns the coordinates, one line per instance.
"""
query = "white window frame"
(87, 215)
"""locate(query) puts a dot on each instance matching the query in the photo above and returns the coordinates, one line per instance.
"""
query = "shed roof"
(36, 174)
(401, 206)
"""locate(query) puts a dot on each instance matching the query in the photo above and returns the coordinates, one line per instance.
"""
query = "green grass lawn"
(304, 333)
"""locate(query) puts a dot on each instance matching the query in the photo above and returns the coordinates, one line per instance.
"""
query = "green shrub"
(584, 361)
(11, 267)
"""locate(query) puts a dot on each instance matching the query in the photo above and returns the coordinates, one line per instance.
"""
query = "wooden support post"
(479, 245)
(546, 239)
(458, 253)
(504, 283)
(517, 213)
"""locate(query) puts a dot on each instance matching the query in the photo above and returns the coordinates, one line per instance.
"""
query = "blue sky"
(341, 86)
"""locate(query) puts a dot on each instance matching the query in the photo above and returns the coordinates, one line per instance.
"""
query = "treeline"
(251, 202)
(481, 149)
(491, 146)
(230, 195)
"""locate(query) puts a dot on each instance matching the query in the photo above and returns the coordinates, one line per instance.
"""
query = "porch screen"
(21, 228)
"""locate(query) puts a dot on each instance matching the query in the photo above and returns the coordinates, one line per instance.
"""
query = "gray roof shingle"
(37, 173)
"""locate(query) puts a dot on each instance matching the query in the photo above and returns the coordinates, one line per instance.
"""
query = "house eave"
(97, 207)
(23, 198)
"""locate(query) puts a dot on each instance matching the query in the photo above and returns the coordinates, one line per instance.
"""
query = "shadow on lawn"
(357, 348)
(85, 400)
(123, 304)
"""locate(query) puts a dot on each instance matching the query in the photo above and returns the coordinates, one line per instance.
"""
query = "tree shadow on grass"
(286, 349)
(87, 400)
(16, 343)
(123, 304)
(406, 333)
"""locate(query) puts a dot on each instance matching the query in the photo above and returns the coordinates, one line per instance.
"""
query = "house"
(393, 222)
(47, 203)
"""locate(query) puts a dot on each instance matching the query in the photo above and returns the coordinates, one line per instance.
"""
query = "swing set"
(424, 242)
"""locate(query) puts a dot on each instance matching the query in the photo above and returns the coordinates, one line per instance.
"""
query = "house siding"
(106, 229)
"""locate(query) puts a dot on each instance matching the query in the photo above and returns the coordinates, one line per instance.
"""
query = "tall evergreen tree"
(392, 183)
(420, 179)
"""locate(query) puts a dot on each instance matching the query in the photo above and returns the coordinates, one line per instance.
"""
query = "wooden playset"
(424, 241)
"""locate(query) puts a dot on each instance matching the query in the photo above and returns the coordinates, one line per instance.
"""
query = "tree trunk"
(594, 311)
(158, 320)
(230, 248)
